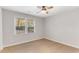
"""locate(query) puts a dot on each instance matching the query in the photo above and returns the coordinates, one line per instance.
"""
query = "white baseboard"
(22, 42)
(52, 39)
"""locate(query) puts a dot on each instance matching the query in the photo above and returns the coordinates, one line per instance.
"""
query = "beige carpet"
(40, 46)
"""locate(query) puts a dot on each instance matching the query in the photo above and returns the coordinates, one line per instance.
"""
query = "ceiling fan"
(45, 8)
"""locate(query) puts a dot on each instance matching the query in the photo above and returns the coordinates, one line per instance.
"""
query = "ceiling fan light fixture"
(44, 9)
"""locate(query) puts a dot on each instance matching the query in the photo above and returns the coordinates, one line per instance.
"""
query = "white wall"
(1, 34)
(64, 28)
(9, 38)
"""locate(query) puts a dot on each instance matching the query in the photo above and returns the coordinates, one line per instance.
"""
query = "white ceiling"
(33, 10)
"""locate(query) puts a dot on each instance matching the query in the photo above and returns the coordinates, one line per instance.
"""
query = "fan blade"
(38, 11)
(50, 7)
